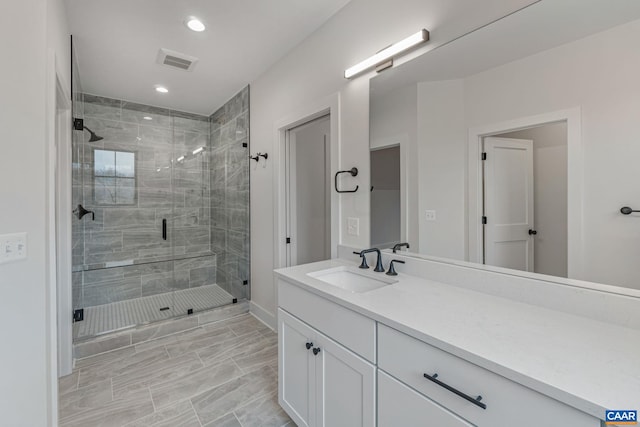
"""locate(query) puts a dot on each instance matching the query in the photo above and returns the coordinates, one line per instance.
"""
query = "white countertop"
(587, 364)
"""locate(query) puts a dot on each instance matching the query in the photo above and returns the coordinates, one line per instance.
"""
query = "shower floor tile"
(212, 381)
(116, 316)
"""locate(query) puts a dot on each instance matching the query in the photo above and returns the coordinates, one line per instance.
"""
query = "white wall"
(25, 359)
(599, 74)
(313, 71)
(549, 196)
(442, 176)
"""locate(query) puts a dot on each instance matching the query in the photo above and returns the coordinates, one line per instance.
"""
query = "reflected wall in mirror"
(550, 98)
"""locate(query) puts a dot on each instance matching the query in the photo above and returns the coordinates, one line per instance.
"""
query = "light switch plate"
(353, 226)
(430, 215)
(13, 247)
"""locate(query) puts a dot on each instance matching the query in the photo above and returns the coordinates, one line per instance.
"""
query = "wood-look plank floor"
(218, 375)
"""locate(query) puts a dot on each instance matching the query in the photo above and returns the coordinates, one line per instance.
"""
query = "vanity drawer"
(352, 330)
(398, 405)
(507, 403)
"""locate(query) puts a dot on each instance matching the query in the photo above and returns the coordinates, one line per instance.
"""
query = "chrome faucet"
(379, 267)
(399, 245)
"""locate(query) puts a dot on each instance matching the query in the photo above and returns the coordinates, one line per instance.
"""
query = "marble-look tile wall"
(166, 180)
(230, 193)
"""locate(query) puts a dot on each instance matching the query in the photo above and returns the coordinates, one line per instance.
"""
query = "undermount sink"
(352, 279)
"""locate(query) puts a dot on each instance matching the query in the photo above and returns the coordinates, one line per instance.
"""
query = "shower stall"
(161, 220)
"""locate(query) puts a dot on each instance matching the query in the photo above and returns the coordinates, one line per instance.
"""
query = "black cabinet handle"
(164, 229)
(316, 351)
(475, 401)
(309, 345)
(532, 232)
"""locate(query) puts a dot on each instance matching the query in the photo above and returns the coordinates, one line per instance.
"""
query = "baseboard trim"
(263, 315)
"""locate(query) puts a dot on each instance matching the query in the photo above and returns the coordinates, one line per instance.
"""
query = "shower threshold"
(116, 316)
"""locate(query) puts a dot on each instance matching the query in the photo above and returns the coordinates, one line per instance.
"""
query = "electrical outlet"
(353, 226)
(13, 247)
(430, 215)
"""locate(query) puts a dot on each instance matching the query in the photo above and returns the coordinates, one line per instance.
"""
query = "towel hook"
(353, 172)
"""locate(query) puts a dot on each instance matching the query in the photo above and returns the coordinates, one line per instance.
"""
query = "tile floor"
(222, 374)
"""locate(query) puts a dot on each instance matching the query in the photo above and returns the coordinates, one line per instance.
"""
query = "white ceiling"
(117, 42)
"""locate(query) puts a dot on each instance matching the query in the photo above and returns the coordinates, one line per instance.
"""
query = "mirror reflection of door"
(525, 199)
(308, 192)
(385, 197)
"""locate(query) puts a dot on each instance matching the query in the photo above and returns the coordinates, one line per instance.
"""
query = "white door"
(346, 389)
(296, 369)
(508, 203)
(308, 192)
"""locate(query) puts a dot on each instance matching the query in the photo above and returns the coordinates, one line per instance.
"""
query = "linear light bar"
(388, 53)
(198, 150)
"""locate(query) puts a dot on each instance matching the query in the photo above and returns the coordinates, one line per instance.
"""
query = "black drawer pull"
(164, 229)
(476, 401)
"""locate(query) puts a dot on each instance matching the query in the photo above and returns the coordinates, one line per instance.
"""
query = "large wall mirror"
(517, 145)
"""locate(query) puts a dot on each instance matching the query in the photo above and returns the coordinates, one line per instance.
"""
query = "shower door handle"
(164, 229)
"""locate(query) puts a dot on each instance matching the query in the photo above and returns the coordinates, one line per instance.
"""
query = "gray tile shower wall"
(146, 168)
(229, 171)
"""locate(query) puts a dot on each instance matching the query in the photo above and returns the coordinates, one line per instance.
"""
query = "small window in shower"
(114, 177)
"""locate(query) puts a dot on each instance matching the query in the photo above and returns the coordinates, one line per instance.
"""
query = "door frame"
(58, 230)
(575, 182)
(328, 106)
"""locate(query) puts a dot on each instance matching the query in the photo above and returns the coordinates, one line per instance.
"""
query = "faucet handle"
(392, 270)
(364, 260)
(398, 246)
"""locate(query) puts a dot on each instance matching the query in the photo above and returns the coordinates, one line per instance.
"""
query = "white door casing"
(508, 203)
(575, 182)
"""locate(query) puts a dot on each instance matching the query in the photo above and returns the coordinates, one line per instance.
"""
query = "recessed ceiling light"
(162, 89)
(194, 24)
(148, 118)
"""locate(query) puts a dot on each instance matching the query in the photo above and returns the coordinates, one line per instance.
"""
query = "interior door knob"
(532, 232)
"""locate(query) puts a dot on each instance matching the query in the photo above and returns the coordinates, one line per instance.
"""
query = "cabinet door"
(398, 405)
(345, 386)
(296, 370)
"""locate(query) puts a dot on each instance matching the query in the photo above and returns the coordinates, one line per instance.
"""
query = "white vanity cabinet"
(333, 381)
(339, 367)
(321, 383)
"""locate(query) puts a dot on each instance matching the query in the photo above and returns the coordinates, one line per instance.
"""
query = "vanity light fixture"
(388, 53)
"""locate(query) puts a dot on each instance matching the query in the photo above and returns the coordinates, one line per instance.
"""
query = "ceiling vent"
(176, 60)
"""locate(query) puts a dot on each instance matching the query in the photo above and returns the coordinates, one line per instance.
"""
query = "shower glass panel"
(146, 251)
